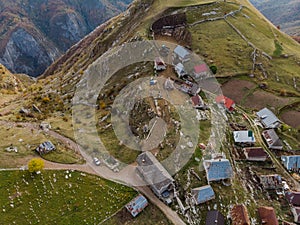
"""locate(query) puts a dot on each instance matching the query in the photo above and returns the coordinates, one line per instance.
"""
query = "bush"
(35, 165)
(46, 99)
(213, 69)
(283, 92)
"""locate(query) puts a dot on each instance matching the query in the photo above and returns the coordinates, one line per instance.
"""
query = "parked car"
(96, 161)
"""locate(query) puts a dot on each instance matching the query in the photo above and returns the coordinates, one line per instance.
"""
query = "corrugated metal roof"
(203, 194)
(268, 118)
(291, 162)
(181, 52)
(218, 169)
(137, 205)
(153, 172)
(272, 139)
(214, 218)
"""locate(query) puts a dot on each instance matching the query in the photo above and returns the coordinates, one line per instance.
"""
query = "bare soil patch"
(260, 99)
(237, 89)
(291, 118)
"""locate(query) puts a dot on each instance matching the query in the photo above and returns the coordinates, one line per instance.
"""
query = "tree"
(213, 69)
(35, 165)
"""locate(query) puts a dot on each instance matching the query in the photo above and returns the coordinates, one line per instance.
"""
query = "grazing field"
(26, 140)
(150, 213)
(59, 197)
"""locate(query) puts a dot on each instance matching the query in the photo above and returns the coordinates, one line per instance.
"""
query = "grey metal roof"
(137, 205)
(153, 172)
(181, 52)
(268, 118)
(214, 218)
(272, 139)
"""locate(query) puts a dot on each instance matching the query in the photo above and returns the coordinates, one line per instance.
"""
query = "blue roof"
(218, 169)
(291, 162)
(203, 194)
(137, 205)
(181, 52)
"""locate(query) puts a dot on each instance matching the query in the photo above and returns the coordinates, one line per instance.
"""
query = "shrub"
(35, 165)
(46, 99)
(213, 69)
(283, 92)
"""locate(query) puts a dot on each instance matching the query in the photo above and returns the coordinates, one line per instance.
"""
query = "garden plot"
(59, 197)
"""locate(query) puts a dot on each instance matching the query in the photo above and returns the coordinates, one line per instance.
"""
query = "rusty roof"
(267, 216)
(239, 215)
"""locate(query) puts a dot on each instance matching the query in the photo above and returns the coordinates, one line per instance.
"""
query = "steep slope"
(256, 63)
(35, 33)
(284, 13)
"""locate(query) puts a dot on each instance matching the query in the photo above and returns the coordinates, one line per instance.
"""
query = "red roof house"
(228, 103)
(239, 215)
(267, 216)
(200, 70)
(255, 154)
(159, 64)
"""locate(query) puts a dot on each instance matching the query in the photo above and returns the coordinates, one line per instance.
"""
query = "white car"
(96, 161)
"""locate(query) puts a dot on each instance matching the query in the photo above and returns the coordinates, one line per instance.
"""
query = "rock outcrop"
(35, 33)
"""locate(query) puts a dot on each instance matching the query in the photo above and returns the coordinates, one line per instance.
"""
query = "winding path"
(127, 176)
(270, 153)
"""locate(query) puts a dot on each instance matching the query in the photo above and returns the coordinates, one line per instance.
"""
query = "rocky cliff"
(33, 34)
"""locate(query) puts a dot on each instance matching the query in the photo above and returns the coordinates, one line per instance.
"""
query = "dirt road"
(127, 176)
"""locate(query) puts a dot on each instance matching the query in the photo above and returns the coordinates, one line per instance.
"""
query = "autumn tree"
(35, 165)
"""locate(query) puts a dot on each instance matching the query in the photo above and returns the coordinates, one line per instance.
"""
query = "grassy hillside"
(51, 198)
(284, 13)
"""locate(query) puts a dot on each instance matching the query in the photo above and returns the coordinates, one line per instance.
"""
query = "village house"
(137, 205)
(45, 148)
(244, 137)
(182, 54)
(296, 214)
(198, 102)
(268, 119)
(239, 215)
(227, 103)
(291, 163)
(169, 84)
(189, 88)
(155, 175)
(200, 70)
(159, 64)
(272, 139)
(203, 194)
(215, 218)
(293, 198)
(218, 169)
(179, 69)
(267, 216)
(255, 154)
(270, 182)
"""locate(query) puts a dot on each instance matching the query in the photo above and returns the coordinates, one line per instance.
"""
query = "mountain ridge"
(48, 29)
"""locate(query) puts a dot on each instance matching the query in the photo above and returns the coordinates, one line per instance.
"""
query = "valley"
(255, 65)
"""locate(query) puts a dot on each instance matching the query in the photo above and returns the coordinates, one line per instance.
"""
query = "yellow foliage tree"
(35, 165)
